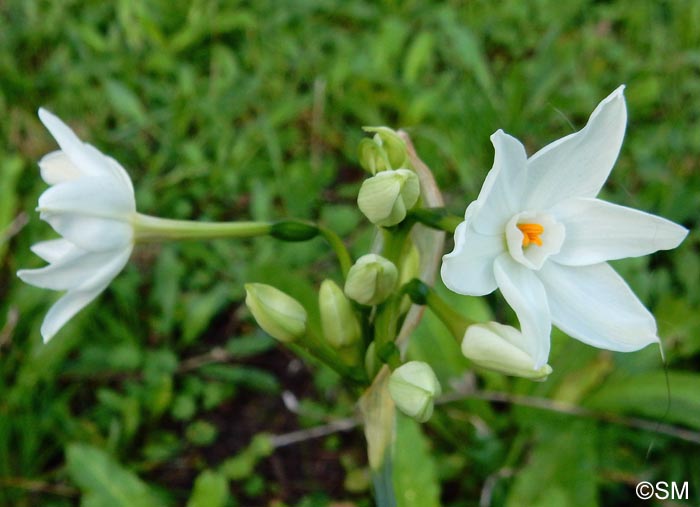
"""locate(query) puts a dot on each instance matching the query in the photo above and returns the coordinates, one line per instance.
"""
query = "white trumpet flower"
(538, 233)
(91, 204)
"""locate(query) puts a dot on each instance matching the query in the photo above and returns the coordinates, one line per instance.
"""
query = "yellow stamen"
(531, 233)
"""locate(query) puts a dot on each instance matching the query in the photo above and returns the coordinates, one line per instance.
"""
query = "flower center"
(533, 227)
(531, 233)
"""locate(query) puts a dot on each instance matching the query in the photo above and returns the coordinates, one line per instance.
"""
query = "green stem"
(436, 218)
(150, 228)
(338, 247)
(386, 321)
(422, 294)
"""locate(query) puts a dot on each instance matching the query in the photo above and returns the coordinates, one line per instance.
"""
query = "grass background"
(233, 111)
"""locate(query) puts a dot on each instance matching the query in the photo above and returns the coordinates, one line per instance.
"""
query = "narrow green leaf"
(415, 474)
(104, 482)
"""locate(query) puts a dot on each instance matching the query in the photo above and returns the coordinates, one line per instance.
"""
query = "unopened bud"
(393, 145)
(385, 151)
(372, 362)
(340, 325)
(503, 349)
(280, 315)
(413, 387)
(386, 197)
(371, 280)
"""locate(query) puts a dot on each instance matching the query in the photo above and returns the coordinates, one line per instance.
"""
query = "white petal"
(594, 305)
(54, 249)
(578, 165)
(56, 167)
(502, 192)
(525, 294)
(64, 309)
(598, 231)
(88, 195)
(77, 270)
(94, 234)
(86, 158)
(468, 269)
(88, 161)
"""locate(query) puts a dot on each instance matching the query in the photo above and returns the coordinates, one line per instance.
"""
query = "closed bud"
(392, 144)
(280, 315)
(503, 349)
(386, 197)
(340, 325)
(371, 280)
(373, 158)
(413, 387)
(372, 362)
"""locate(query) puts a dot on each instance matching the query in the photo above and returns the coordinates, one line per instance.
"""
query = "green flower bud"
(413, 387)
(503, 349)
(386, 197)
(371, 280)
(340, 325)
(372, 156)
(392, 144)
(372, 362)
(280, 315)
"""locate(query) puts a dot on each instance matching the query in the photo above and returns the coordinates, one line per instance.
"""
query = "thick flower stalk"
(539, 234)
(90, 203)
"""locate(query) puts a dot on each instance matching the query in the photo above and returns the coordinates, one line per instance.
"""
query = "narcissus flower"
(538, 233)
(91, 204)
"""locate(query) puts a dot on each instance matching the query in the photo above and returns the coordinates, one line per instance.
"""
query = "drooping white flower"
(538, 233)
(90, 203)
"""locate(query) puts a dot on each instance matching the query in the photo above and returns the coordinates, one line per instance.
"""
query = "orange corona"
(531, 233)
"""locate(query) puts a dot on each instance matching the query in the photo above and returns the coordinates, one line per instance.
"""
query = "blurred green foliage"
(238, 110)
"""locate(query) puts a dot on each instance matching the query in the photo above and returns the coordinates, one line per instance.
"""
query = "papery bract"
(538, 233)
(91, 204)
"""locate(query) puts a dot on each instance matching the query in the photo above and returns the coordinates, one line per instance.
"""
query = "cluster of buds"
(393, 188)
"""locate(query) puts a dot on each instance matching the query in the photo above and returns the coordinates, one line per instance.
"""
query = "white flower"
(538, 233)
(91, 204)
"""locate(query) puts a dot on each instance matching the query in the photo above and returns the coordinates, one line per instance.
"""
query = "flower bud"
(386, 197)
(371, 280)
(503, 349)
(392, 144)
(385, 151)
(372, 362)
(413, 387)
(280, 315)
(340, 325)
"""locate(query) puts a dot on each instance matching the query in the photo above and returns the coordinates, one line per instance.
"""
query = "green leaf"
(415, 474)
(210, 490)
(104, 482)
(564, 460)
(648, 395)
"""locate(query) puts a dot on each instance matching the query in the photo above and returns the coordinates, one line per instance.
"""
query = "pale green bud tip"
(280, 315)
(386, 197)
(413, 387)
(340, 325)
(391, 143)
(503, 349)
(371, 280)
